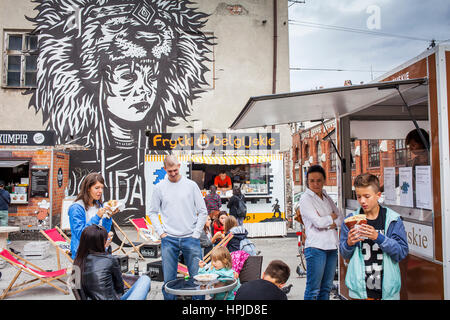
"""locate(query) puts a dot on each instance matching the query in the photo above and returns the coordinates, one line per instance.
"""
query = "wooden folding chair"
(60, 241)
(145, 231)
(134, 245)
(39, 274)
(222, 243)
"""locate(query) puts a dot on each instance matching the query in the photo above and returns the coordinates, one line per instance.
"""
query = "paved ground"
(283, 248)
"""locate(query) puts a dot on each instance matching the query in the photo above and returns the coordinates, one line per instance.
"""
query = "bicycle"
(301, 268)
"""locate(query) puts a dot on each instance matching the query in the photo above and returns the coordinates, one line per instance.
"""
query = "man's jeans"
(139, 290)
(3, 218)
(170, 250)
(320, 272)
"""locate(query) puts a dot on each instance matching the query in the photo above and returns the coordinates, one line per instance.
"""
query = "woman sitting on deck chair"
(101, 278)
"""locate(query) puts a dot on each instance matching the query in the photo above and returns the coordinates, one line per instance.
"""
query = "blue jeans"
(3, 218)
(320, 271)
(139, 290)
(170, 250)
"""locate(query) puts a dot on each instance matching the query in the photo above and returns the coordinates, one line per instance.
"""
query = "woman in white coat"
(321, 218)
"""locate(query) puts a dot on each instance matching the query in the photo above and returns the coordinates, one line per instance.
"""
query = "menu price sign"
(39, 183)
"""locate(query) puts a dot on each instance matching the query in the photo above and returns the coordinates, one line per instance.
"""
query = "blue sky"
(319, 47)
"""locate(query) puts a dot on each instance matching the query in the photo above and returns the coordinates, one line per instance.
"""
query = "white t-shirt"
(91, 212)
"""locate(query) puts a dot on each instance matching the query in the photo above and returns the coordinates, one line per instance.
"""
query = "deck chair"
(251, 270)
(222, 243)
(60, 241)
(126, 242)
(182, 269)
(39, 274)
(145, 231)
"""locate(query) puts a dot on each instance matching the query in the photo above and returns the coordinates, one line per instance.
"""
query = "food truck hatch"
(331, 103)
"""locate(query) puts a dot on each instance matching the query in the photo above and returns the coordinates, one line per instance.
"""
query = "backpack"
(247, 246)
(241, 210)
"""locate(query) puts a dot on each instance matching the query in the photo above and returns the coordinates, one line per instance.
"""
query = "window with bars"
(401, 152)
(374, 153)
(20, 59)
(333, 157)
(319, 153)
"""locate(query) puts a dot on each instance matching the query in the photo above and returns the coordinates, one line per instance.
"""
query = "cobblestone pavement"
(283, 248)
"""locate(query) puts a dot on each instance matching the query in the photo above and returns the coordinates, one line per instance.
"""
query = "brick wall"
(25, 213)
(300, 148)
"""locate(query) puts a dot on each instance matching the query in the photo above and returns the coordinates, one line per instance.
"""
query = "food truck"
(252, 162)
(413, 96)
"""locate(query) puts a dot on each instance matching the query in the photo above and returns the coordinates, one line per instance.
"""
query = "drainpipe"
(50, 213)
(275, 46)
(275, 49)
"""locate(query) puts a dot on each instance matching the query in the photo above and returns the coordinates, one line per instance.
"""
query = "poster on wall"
(406, 187)
(390, 194)
(424, 197)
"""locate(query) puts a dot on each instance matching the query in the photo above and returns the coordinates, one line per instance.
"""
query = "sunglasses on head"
(99, 227)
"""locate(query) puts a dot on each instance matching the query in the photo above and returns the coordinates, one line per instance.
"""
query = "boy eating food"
(374, 249)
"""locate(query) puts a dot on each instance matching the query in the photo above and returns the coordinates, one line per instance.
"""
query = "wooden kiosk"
(416, 94)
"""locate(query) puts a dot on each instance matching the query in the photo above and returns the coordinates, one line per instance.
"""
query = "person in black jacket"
(269, 287)
(5, 200)
(233, 204)
(101, 278)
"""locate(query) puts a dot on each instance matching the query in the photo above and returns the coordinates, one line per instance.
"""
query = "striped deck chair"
(40, 276)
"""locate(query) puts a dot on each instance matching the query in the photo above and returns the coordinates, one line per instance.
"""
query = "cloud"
(320, 47)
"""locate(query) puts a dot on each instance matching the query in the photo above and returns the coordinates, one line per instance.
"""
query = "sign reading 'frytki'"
(213, 141)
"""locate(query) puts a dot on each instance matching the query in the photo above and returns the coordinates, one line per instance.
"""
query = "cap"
(2, 183)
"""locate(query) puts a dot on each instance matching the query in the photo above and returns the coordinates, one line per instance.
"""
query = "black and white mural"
(110, 69)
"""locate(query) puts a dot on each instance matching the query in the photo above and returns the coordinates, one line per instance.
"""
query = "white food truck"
(260, 175)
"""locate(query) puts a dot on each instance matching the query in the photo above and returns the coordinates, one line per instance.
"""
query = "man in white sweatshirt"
(183, 215)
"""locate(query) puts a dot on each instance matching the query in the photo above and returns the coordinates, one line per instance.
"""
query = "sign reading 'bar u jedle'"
(214, 141)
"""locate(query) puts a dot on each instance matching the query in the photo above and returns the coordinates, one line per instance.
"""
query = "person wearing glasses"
(88, 209)
(97, 273)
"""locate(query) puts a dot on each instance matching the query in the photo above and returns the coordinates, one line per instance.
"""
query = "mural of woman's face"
(132, 91)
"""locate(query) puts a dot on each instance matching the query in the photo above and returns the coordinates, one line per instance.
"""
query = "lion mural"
(109, 69)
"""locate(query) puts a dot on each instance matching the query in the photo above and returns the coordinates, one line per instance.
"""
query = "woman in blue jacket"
(88, 209)
(374, 249)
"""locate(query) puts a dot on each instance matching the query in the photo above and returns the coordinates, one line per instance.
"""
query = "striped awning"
(221, 160)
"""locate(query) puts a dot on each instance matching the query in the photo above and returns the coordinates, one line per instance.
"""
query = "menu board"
(39, 183)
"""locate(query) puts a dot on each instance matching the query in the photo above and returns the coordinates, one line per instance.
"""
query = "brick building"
(34, 176)
(310, 148)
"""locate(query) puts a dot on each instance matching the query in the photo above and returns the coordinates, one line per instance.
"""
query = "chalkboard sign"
(39, 183)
